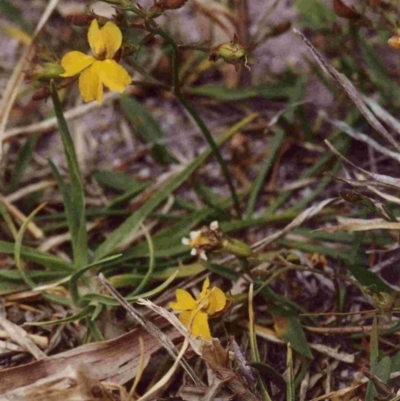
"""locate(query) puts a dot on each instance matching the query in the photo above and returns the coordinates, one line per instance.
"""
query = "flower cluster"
(203, 240)
(194, 313)
(101, 68)
(211, 238)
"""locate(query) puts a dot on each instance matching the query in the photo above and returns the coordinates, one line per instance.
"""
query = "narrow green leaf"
(119, 181)
(87, 311)
(23, 160)
(8, 10)
(110, 301)
(279, 91)
(147, 127)
(130, 226)
(7, 218)
(18, 244)
(289, 329)
(41, 258)
(76, 210)
(315, 14)
(264, 169)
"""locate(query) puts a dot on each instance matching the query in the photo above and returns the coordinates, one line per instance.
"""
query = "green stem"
(190, 109)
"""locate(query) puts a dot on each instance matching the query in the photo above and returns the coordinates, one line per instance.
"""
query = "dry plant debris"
(182, 220)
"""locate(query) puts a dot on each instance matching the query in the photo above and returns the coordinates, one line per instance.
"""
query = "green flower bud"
(236, 247)
(47, 71)
(383, 301)
(232, 53)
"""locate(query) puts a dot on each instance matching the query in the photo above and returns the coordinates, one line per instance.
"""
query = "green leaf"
(279, 91)
(368, 278)
(132, 223)
(273, 148)
(75, 205)
(23, 160)
(87, 311)
(8, 10)
(147, 127)
(377, 71)
(42, 259)
(18, 244)
(289, 329)
(315, 14)
(121, 182)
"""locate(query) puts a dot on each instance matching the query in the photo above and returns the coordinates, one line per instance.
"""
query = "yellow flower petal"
(96, 41)
(217, 301)
(90, 85)
(112, 39)
(184, 301)
(205, 290)
(114, 76)
(199, 326)
(74, 62)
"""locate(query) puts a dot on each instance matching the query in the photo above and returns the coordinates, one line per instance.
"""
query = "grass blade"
(76, 210)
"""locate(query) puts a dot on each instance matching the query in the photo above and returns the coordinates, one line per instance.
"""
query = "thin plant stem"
(196, 117)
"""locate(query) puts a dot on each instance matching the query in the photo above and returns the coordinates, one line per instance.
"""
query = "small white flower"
(214, 226)
(203, 255)
(185, 241)
(193, 252)
(194, 235)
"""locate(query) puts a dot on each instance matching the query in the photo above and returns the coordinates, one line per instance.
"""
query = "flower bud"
(394, 42)
(46, 72)
(236, 247)
(230, 52)
(383, 301)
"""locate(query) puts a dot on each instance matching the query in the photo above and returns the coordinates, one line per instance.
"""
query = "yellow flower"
(195, 312)
(99, 69)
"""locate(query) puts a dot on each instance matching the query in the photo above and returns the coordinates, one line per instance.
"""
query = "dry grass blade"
(17, 214)
(173, 320)
(384, 179)
(350, 90)
(51, 123)
(334, 395)
(359, 136)
(298, 221)
(18, 74)
(163, 339)
(362, 225)
(21, 337)
(167, 377)
(116, 360)
(72, 383)
(271, 335)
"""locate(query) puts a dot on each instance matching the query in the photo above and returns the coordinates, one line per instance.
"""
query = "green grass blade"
(40, 258)
(8, 10)
(147, 127)
(18, 244)
(289, 329)
(77, 218)
(130, 226)
(24, 158)
(266, 165)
